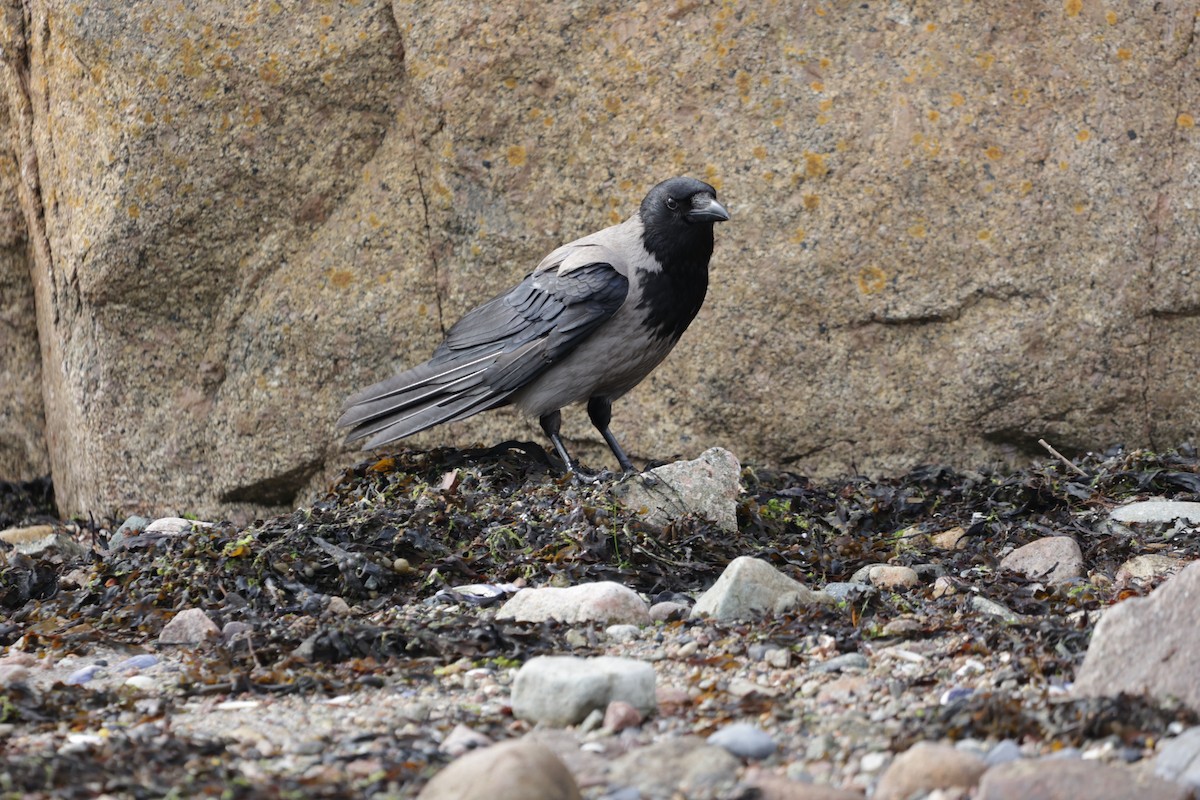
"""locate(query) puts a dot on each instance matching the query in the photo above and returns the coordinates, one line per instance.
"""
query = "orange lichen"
(1083, 135)
(817, 86)
(1110, 17)
(994, 153)
(340, 278)
(1185, 120)
(917, 231)
(811, 201)
(798, 236)
(517, 155)
(1073, 7)
(814, 165)
(984, 235)
(933, 115)
(760, 152)
(957, 99)
(871, 279)
(1124, 54)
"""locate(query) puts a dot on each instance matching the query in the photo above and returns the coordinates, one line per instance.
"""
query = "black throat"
(672, 296)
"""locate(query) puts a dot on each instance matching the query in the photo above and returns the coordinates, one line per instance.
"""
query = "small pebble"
(82, 676)
(954, 694)
(843, 662)
(143, 661)
(622, 633)
(744, 740)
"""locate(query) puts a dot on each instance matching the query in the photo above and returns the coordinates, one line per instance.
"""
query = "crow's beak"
(705, 208)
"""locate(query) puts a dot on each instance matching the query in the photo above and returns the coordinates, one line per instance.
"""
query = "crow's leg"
(550, 424)
(600, 411)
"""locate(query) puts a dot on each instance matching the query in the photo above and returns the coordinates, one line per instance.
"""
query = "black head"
(681, 202)
(677, 229)
(678, 216)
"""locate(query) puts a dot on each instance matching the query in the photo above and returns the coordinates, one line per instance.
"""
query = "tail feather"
(426, 395)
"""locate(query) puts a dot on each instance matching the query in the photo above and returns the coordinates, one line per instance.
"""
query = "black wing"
(489, 354)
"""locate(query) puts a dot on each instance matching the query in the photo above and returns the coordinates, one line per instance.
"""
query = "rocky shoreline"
(466, 624)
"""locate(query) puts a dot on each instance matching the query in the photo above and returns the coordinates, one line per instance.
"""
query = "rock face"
(227, 222)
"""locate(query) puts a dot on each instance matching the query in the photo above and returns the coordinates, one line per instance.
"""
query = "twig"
(1061, 457)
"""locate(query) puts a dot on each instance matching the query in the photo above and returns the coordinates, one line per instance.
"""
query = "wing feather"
(493, 351)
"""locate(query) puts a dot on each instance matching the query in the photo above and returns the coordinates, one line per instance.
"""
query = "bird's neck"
(672, 296)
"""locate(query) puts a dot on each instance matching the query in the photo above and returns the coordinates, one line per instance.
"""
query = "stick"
(1061, 457)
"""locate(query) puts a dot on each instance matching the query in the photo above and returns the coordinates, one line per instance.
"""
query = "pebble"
(142, 683)
(1055, 559)
(562, 690)
(83, 675)
(750, 588)
(621, 715)
(1149, 567)
(849, 591)
(1156, 511)
(685, 766)
(887, 576)
(143, 661)
(603, 601)
(668, 610)
(744, 740)
(992, 608)
(927, 766)
(1178, 759)
(461, 739)
(190, 626)
(622, 633)
(707, 487)
(12, 674)
(1053, 778)
(174, 525)
(846, 661)
(516, 770)
(953, 539)
(1004, 751)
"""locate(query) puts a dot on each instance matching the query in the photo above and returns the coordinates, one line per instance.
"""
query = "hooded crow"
(588, 324)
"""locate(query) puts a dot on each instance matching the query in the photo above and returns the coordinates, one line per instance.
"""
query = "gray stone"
(1004, 751)
(707, 487)
(1157, 511)
(994, 609)
(1054, 559)
(750, 588)
(1148, 645)
(563, 690)
(1070, 779)
(842, 663)
(517, 770)
(603, 601)
(849, 591)
(1178, 759)
(744, 740)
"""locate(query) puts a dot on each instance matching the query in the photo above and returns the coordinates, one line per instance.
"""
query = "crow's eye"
(671, 204)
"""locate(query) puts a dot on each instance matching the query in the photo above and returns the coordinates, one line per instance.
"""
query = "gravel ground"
(340, 671)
